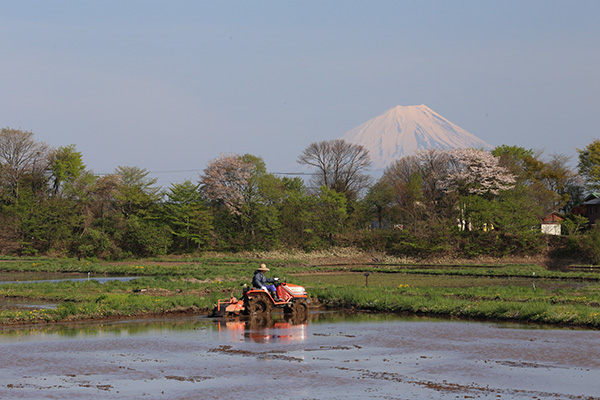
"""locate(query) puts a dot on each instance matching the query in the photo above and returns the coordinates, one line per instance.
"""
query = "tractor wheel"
(300, 307)
(259, 305)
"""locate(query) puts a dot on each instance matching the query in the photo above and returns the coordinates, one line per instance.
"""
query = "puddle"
(326, 356)
(35, 276)
(44, 277)
(11, 304)
(24, 278)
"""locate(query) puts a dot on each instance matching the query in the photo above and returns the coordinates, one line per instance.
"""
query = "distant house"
(589, 208)
(551, 223)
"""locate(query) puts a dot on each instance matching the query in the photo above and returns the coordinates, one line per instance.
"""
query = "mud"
(325, 356)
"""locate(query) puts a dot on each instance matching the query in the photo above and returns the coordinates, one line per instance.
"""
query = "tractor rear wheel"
(300, 307)
(259, 305)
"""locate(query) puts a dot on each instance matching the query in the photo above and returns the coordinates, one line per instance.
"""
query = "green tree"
(513, 158)
(137, 227)
(515, 212)
(589, 164)
(145, 237)
(297, 216)
(41, 224)
(101, 204)
(574, 224)
(136, 192)
(66, 166)
(378, 201)
(262, 194)
(330, 213)
(189, 220)
(553, 184)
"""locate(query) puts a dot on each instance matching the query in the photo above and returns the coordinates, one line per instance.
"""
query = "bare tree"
(339, 165)
(20, 155)
(427, 167)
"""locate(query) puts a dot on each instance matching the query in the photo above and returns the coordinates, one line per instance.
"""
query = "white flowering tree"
(477, 177)
(226, 180)
(476, 172)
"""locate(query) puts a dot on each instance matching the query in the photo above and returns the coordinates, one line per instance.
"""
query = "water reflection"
(324, 355)
(263, 328)
(266, 327)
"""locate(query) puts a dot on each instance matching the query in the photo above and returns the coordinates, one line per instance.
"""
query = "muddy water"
(329, 356)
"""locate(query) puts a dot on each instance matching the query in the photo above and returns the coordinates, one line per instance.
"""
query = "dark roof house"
(589, 208)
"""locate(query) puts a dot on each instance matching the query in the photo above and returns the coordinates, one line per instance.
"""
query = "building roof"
(591, 196)
(592, 202)
(553, 218)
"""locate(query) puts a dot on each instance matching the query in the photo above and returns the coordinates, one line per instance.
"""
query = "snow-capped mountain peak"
(403, 130)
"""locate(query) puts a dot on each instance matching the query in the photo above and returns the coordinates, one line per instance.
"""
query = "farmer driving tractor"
(260, 281)
(265, 294)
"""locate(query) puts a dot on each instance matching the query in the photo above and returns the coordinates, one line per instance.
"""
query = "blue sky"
(169, 85)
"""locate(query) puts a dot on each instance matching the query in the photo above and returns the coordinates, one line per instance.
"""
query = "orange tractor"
(292, 298)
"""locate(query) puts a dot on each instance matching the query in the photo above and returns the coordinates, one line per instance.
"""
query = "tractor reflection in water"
(266, 327)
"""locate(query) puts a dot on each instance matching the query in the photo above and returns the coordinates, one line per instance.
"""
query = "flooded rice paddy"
(322, 356)
(54, 277)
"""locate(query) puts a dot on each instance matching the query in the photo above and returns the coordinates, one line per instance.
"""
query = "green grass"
(551, 300)
(90, 299)
(443, 304)
(503, 292)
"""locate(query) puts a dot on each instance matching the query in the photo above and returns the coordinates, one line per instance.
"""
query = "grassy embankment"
(510, 292)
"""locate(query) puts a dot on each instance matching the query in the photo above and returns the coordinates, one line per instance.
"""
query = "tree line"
(438, 202)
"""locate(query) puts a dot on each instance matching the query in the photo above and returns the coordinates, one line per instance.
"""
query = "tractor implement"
(231, 306)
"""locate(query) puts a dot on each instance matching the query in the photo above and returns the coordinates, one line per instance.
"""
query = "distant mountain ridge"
(403, 130)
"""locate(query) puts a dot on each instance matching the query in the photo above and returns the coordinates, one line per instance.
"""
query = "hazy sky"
(169, 85)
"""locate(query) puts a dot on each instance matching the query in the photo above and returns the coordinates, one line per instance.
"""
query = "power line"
(199, 170)
(290, 173)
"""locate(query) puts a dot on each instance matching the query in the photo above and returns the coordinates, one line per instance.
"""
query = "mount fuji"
(403, 130)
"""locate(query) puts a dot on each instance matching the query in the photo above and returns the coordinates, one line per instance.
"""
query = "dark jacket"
(259, 280)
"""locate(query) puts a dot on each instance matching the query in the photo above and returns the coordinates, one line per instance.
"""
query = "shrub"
(584, 247)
